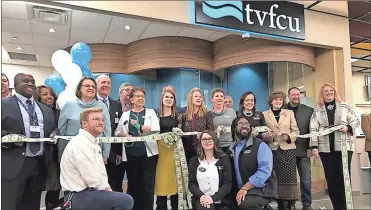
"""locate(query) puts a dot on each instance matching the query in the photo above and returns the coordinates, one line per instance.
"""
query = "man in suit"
(22, 164)
(115, 167)
(302, 114)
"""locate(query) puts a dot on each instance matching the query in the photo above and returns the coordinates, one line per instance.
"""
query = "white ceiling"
(35, 38)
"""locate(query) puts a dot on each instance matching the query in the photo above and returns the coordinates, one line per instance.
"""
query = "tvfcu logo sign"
(279, 18)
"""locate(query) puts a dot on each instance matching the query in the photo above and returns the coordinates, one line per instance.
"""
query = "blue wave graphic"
(222, 11)
(237, 4)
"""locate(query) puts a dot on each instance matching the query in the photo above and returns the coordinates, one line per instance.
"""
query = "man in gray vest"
(252, 162)
(303, 114)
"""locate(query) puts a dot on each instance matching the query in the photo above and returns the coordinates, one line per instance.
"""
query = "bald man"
(115, 168)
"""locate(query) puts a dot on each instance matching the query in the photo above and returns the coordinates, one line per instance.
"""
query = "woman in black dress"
(46, 95)
(166, 183)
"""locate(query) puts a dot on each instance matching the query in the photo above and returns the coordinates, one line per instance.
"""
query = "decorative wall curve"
(169, 52)
(233, 50)
(185, 52)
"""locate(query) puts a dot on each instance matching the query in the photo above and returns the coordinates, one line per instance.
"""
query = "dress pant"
(141, 174)
(24, 191)
(161, 202)
(254, 202)
(116, 175)
(303, 166)
(333, 168)
(100, 199)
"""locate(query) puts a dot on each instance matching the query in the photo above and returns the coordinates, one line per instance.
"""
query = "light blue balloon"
(55, 82)
(81, 54)
(86, 72)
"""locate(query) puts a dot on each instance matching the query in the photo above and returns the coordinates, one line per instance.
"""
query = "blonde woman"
(331, 111)
(284, 132)
(165, 173)
(197, 118)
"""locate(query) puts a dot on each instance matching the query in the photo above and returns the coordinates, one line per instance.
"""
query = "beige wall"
(39, 73)
(322, 30)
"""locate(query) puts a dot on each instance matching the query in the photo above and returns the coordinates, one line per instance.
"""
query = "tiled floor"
(359, 202)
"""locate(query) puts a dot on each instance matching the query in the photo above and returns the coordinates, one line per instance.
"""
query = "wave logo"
(219, 9)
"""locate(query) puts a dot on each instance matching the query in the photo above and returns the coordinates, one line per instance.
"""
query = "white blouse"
(208, 177)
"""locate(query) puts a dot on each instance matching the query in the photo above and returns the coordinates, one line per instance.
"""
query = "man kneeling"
(254, 182)
(83, 174)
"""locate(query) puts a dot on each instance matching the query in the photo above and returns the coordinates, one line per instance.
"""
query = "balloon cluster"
(71, 67)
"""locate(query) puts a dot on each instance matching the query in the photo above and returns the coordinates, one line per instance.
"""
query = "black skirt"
(284, 164)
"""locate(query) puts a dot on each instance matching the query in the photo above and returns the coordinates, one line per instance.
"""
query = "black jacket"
(13, 155)
(248, 165)
(302, 116)
(115, 111)
(225, 179)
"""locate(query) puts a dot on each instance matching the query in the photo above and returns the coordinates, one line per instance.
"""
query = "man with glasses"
(303, 114)
(115, 167)
(83, 175)
(124, 92)
(254, 182)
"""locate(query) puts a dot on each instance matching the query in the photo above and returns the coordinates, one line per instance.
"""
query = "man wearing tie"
(115, 168)
(22, 164)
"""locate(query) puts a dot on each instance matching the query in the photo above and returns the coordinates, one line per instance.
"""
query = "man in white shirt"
(83, 174)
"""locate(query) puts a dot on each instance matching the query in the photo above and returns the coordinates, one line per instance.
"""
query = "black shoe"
(306, 207)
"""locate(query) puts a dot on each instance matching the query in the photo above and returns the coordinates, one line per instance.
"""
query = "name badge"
(117, 120)
(247, 152)
(202, 169)
(35, 129)
(220, 168)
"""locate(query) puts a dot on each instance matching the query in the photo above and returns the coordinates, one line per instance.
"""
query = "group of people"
(246, 168)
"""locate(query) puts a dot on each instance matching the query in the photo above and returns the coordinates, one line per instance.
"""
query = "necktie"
(105, 102)
(34, 147)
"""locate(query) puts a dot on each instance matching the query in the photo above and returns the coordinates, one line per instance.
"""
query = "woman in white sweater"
(141, 157)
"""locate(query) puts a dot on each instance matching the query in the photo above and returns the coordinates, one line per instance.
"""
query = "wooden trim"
(185, 52)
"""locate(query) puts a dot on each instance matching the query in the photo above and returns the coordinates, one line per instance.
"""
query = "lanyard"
(32, 115)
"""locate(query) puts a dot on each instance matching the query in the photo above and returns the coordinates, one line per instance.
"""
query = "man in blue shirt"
(255, 183)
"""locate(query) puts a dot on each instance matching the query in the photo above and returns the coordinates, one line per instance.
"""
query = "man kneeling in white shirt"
(83, 174)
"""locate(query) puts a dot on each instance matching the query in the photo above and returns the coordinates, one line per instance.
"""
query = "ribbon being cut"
(174, 138)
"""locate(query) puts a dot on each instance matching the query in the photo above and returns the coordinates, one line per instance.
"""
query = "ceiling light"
(51, 30)
(19, 48)
(301, 87)
(15, 38)
(354, 60)
(127, 27)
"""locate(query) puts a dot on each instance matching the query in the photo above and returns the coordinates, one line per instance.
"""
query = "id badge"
(117, 120)
(35, 129)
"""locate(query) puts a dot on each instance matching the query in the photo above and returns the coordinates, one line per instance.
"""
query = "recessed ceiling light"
(19, 48)
(127, 27)
(15, 38)
(51, 30)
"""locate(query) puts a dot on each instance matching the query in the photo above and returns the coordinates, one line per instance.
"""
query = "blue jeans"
(100, 199)
(303, 164)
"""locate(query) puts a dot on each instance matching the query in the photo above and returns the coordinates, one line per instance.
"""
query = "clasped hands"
(206, 201)
(270, 135)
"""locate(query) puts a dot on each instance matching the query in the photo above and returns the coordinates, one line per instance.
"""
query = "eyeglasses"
(98, 119)
(209, 140)
(139, 96)
(243, 124)
(89, 86)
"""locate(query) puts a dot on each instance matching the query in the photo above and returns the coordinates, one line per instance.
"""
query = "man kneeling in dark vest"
(254, 183)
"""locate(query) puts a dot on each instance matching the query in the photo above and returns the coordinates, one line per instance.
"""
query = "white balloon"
(65, 96)
(60, 60)
(73, 76)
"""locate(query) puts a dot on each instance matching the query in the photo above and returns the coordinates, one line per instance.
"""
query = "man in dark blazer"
(22, 164)
(303, 114)
(115, 167)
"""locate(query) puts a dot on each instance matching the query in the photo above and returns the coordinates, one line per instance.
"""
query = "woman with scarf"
(196, 119)
(69, 119)
(282, 142)
(45, 95)
(247, 107)
(331, 111)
